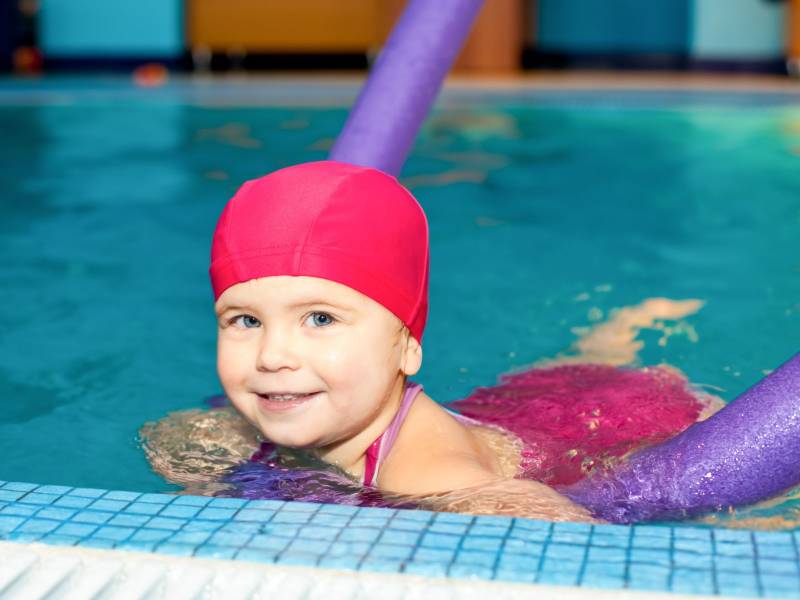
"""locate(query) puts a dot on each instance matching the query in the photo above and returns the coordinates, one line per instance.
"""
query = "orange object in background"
(793, 47)
(295, 26)
(320, 26)
(150, 75)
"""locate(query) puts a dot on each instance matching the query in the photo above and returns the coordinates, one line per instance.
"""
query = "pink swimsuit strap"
(380, 448)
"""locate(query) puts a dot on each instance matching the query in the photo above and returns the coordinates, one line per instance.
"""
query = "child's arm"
(513, 498)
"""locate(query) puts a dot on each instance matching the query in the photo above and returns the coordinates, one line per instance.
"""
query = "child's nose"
(277, 350)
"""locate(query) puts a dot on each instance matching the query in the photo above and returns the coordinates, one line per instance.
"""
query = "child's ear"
(412, 356)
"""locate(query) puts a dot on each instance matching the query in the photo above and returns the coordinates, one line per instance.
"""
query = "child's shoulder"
(434, 452)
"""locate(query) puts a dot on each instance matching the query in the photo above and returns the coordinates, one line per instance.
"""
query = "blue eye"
(246, 321)
(321, 319)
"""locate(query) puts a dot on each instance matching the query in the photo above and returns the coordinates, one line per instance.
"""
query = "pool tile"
(308, 546)
(482, 529)
(110, 505)
(136, 546)
(156, 498)
(222, 538)
(87, 492)
(472, 557)
(123, 496)
(124, 520)
(305, 559)
(769, 566)
(173, 549)
(198, 501)
(273, 505)
(291, 517)
(200, 525)
(216, 514)
(440, 540)
(339, 562)
(151, 535)
(58, 514)
(77, 529)
(211, 551)
(392, 551)
(514, 575)
(117, 534)
(426, 569)
(691, 581)
(143, 508)
(304, 507)
(319, 533)
(73, 502)
(18, 486)
(381, 565)
(254, 514)
(239, 527)
(444, 555)
(268, 542)
(20, 510)
(58, 490)
(37, 498)
(9, 523)
(60, 540)
(257, 555)
(523, 562)
(335, 509)
(91, 516)
(492, 544)
(359, 534)
(99, 543)
(11, 495)
(182, 512)
(227, 503)
(453, 528)
(195, 538)
(734, 549)
(551, 577)
(349, 549)
(565, 551)
(397, 536)
(166, 523)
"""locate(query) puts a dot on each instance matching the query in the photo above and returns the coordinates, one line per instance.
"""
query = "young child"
(320, 276)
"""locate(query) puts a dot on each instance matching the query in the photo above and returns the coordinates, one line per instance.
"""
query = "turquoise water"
(543, 218)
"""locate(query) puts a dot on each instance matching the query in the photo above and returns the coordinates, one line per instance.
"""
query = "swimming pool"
(547, 209)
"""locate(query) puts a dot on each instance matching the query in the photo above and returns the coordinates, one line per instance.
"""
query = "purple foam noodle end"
(404, 83)
(746, 452)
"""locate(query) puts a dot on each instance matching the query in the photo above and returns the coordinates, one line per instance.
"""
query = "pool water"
(544, 218)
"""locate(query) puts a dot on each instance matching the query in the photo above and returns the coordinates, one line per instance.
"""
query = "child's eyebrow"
(299, 304)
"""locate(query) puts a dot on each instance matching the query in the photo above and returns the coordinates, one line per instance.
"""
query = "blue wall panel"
(112, 28)
(613, 26)
(738, 29)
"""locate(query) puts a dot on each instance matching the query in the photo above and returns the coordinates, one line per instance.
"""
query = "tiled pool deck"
(654, 558)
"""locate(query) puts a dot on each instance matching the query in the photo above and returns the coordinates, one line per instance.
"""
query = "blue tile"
(685, 533)
(523, 546)
(563, 527)
(291, 517)
(315, 532)
(241, 527)
(408, 525)
(360, 521)
(198, 501)
(73, 502)
(530, 525)
(270, 504)
(778, 551)
(448, 517)
(453, 528)
(211, 551)
(779, 567)
(424, 516)
(257, 555)
(359, 549)
(216, 514)
(90, 516)
(114, 533)
(11, 495)
(58, 490)
(551, 577)
(156, 498)
(733, 535)
(738, 585)
(23, 536)
(652, 543)
(570, 537)
(692, 560)
(9, 523)
(395, 536)
(604, 569)
(143, 508)
(560, 564)
(129, 520)
(442, 555)
(735, 564)
(60, 540)
(533, 535)
(600, 579)
(336, 509)
(653, 556)
(440, 540)
(780, 583)
(392, 551)
(254, 515)
(37, 498)
(18, 486)
(110, 505)
(227, 503)
(297, 558)
(734, 549)
(472, 557)
(308, 546)
(151, 535)
(652, 531)
(200, 525)
(482, 543)
(77, 529)
(195, 538)
(87, 492)
(609, 541)
(59, 514)
(425, 569)
(693, 545)
(223, 538)
(268, 542)
(567, 551)
(773, 537)
(381, 565)
(183, 512)
(173, 549)
(359, 534)
(281, 530)
(482, 529)
(166, 523)
(124, 496)
(523, 562)
(609, 555)
(100, 543)
(38, 526)
(297, 506)
(20, 510)
(339, 562)
(493, 520)
(649, 576)
(322, 518)
(692, 582)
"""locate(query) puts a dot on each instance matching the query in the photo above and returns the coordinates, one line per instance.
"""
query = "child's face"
(304, 335)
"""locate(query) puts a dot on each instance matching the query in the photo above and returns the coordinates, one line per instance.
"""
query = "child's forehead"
(285, 290)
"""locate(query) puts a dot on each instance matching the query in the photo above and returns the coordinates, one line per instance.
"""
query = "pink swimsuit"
(380, 448)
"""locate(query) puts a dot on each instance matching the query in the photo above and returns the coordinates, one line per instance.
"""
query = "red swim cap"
(352, 225)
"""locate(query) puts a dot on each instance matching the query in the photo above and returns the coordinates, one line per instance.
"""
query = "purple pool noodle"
(748, 451)
(404, 83)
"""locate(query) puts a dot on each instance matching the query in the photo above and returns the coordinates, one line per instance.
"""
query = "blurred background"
(41, 36)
